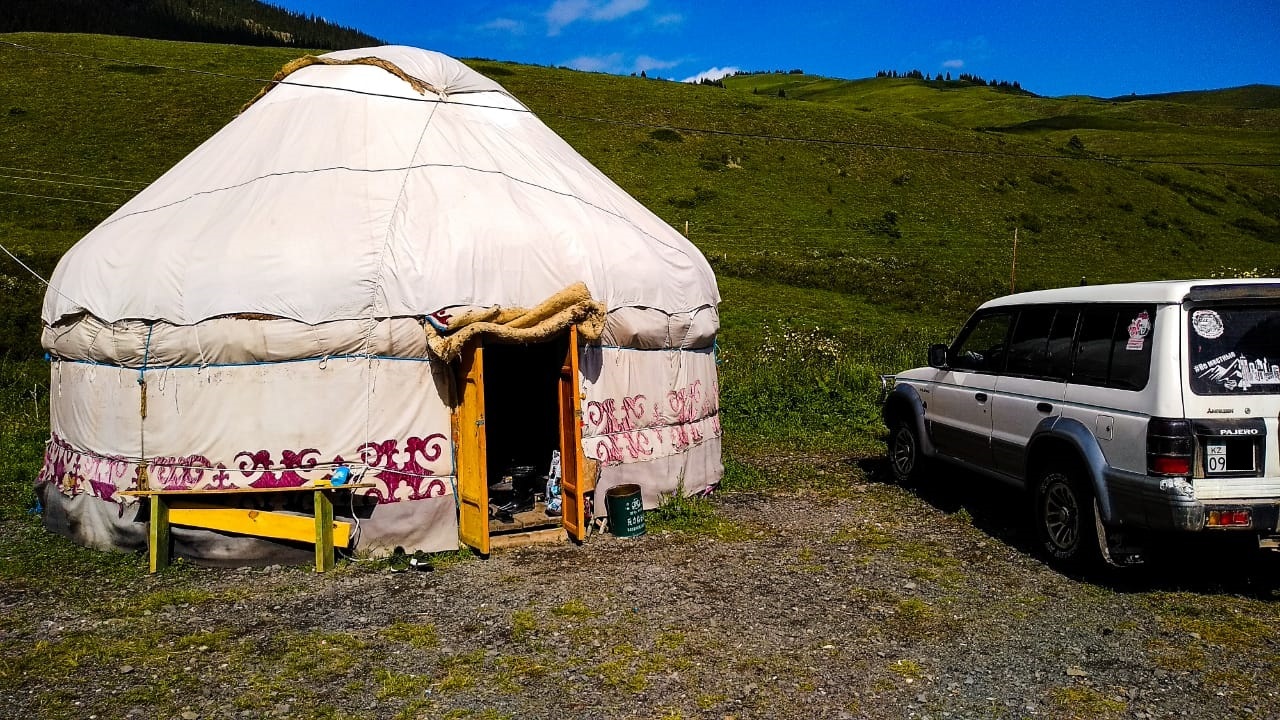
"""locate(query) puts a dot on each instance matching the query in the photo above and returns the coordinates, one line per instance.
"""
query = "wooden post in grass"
(1013, 270)
(686, 228)
(324, 532)
(158, 530)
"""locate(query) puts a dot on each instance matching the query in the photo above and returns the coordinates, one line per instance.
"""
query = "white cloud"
(668, 20)
(566, 12)
(502, 24)
(645, 63)
(615, 9)
(597, 63)
(714, 73)
(953, 64)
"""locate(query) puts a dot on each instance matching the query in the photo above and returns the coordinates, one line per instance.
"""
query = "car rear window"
(1234, 349)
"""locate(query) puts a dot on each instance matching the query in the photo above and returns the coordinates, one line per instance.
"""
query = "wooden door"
(469, 441)
(571, 442)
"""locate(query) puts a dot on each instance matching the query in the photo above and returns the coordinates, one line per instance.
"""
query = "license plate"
(1215, 458)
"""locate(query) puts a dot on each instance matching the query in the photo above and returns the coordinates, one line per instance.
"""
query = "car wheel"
(904, 452)
(1066, 519)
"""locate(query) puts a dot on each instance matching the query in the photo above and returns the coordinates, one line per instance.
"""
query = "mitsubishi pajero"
(1123, 410)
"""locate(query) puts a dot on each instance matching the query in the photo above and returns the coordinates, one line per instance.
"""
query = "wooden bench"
(184, 507)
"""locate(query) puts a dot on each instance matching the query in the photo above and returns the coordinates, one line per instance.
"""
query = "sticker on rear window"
(1236, 372)
(1207, 324)
(1139, 329)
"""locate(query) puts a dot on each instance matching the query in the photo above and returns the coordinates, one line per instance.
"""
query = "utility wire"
(53, 197)
(25, 266)
(690, 129)
(83, 177)
(68, 182)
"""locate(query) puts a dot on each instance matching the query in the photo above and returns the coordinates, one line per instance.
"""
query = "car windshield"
(1234, 349)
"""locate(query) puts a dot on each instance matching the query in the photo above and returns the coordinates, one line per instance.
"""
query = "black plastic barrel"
(626, 510)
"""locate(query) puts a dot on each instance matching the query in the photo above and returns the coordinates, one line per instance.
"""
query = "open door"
(470, 450)
(571, 441)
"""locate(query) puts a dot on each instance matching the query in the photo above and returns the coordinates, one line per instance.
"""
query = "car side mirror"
(938, 356)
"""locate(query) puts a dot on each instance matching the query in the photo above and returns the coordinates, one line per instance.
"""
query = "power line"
(63, 174)
(67, 182)
(690, 129)
(25, 266)
(53, 197)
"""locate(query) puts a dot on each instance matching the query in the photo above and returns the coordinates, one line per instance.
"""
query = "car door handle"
(980, 397)
(1044, 407)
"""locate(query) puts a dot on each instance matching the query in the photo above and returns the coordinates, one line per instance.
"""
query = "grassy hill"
(1245, 96)
(248, 22)
(849, 222)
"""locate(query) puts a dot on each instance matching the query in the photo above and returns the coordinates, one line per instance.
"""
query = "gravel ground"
(868, 602)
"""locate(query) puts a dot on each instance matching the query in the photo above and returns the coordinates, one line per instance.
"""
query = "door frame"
(571, 455)
(471, 445)
(470, 449)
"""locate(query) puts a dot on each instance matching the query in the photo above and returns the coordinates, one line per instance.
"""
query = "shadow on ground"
(1203, 563)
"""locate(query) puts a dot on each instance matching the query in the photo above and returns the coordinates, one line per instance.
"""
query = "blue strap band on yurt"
(142, 411)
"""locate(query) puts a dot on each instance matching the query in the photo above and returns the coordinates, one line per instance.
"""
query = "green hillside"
(849, 222)
(1245, 96)
(248, 22)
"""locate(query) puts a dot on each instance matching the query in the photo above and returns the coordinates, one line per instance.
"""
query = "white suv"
(1124, 410)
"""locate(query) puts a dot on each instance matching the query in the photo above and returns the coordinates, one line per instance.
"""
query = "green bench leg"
(324, 532)
(158, 533)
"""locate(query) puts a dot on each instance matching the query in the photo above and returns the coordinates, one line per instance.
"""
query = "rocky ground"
(865, 600)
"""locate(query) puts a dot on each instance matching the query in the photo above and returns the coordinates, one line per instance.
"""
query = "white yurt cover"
(257, 315)
(344, 193)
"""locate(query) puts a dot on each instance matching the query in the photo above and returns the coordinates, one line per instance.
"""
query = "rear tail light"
(1228, 518)
(1164, 465)
(1169, 446)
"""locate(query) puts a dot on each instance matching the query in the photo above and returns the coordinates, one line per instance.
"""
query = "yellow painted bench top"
(180, 507)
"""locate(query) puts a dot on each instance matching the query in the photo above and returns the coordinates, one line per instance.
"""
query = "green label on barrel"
(626, 511)
(633, 512)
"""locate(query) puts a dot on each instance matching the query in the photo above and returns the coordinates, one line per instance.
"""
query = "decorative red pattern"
(604, 413)
(684, 403)
(621, 435)
(405, 481)
(74, 472)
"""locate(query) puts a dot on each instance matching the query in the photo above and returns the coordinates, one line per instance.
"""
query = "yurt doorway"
(517, 404)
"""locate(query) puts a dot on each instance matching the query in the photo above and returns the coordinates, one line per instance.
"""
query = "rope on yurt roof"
(294, 66)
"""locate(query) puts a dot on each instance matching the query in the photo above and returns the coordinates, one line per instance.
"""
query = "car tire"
(1066, 519)
(905, 460)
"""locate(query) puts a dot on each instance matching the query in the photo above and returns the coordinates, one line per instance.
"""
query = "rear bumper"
(1154, 503)
(1191, 517)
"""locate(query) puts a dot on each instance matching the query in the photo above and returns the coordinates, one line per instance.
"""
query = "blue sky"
(1052, 48)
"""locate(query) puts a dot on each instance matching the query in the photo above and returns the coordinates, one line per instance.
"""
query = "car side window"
(1131, 347)
(1029, 343)
(1060, 337)
(1093, 346)
(981, 346)
(1113, 346)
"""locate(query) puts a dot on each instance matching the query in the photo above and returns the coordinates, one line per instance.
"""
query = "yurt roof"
(351, 191)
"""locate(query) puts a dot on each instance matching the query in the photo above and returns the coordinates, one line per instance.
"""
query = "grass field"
(850, 222)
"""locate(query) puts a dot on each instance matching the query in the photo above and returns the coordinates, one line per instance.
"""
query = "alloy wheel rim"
(1062, 516)
(904, 452)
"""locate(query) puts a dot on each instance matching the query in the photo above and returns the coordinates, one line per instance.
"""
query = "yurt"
(384, 265)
